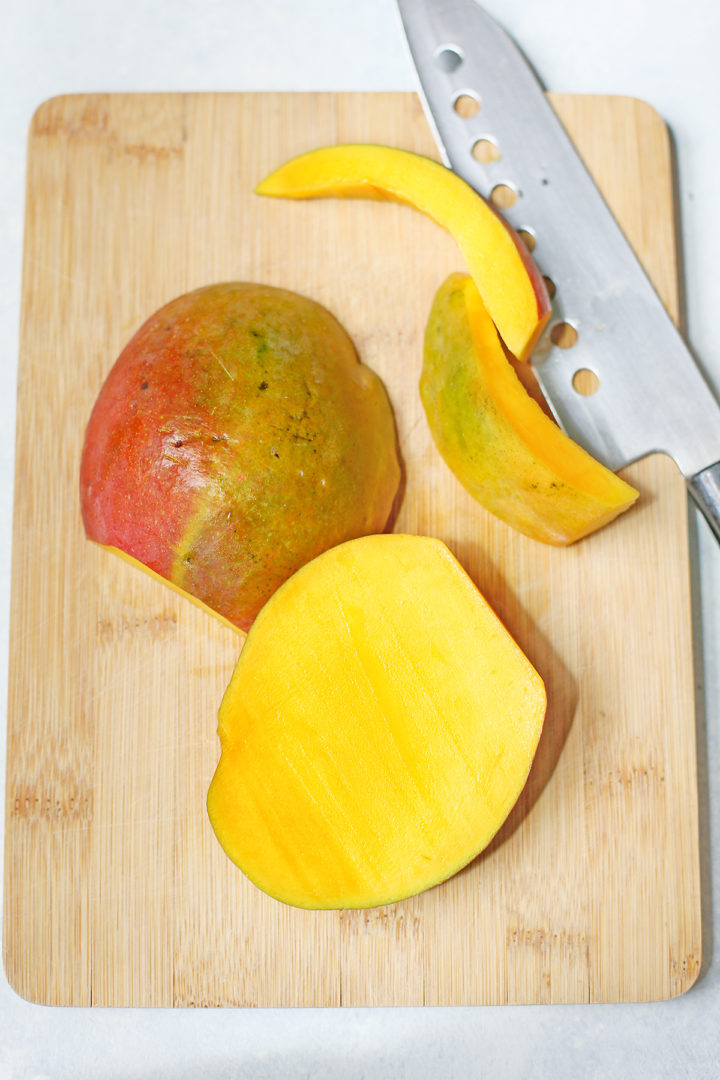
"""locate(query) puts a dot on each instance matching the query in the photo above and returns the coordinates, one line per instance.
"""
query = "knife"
(649, 394)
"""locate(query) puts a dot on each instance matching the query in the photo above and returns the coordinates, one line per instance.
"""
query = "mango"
(236, 437)
(377, 730)
(510, 284)
(497, 440)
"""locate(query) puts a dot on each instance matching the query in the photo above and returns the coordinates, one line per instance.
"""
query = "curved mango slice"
(510, 284)
(497, 440)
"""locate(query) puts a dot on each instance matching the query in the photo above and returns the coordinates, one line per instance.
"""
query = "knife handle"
(705, 490)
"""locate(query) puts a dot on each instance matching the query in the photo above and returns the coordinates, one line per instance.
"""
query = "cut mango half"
(377, 730)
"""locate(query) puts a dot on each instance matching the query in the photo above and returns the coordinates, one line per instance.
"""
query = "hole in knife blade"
(467, 104)
(550, 286)
(564, 335)
(528, 238)
(485, 150)
(448, 58)
(503, 196)
(585, 382)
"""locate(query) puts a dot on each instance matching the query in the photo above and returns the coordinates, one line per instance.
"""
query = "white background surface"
(661, 51)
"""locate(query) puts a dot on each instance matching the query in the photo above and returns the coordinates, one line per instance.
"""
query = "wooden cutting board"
(116, 892)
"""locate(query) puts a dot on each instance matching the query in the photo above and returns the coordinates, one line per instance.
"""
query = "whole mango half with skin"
(236, 437)
(512, 288)
(497, 440)
(379, 726)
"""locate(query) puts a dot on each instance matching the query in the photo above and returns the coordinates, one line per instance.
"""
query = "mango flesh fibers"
(378, 728)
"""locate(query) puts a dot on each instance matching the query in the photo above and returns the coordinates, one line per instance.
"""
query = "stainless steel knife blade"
(651, 395)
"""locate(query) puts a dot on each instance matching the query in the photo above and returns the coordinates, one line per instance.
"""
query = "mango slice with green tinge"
(378, 728)
(510, 284)
(497, 440)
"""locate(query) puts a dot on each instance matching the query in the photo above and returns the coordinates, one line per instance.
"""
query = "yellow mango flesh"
(511, 286)
(497, 440)
(378, 728)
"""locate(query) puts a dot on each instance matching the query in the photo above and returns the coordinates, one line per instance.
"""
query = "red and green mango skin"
(236, 437)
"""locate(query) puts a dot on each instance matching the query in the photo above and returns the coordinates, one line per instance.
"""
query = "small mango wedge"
(497, 440)
(379, 726)
(512, 288)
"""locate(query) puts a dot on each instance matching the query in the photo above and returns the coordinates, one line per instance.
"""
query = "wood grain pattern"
(116, 892)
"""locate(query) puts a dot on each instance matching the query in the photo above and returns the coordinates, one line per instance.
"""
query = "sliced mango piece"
(497, 440)
(510, 284)
(235, 438)
(378, 728)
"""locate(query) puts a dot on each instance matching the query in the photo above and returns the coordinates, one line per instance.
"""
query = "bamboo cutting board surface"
(116, 892)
